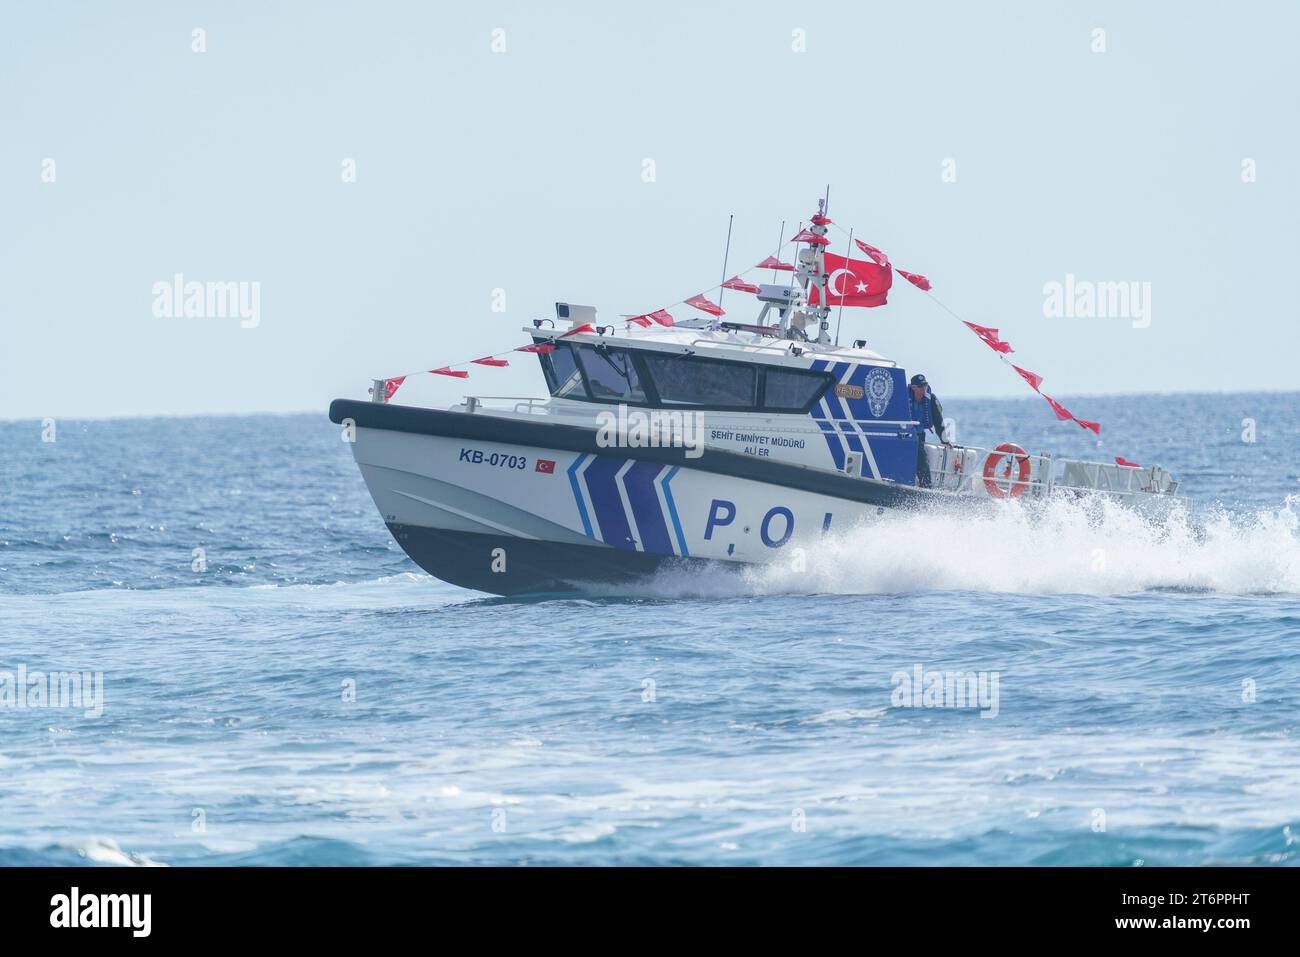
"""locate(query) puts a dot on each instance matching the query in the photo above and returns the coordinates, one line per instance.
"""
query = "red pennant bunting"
(1061, 411)
(542, 348)
(489, 361)
(704, 305)
(771, 262)
(808, 236)
(990, 337)
(1093, 427)
(392, 385)
(661, 316)
(585, 327)
(455, 374)
(1033, 378)
(1120, 460)
(735, 282)
(877, 256)
(916, 279)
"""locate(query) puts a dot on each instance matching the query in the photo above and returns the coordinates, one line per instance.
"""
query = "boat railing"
(784, 347)
(757, 346)
(1003, 474)
(519, 404)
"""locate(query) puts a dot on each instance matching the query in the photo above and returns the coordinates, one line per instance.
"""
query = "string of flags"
(870, 283)
(991, 338)
(988, 335)
(391, 385)
(851, 282)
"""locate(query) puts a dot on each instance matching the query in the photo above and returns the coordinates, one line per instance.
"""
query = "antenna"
(839, 320)
(777, 256)
(725, 256)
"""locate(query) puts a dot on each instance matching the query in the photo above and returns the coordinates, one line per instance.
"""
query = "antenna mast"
(725, 256)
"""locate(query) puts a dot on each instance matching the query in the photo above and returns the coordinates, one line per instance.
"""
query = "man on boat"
(928, 413)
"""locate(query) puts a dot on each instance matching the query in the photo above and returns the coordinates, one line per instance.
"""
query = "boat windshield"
(684, 380)
(611, 374)
(665, 380)
(562, 374)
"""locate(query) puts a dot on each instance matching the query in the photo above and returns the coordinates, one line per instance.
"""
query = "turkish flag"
(990, 337)
(1062, 413)
(1033, 378)
(704, 305)
(735, 282)
(661, 316)
(854, 283)
(808, 236)
(876, 254)
(546, 466)
(916, 279)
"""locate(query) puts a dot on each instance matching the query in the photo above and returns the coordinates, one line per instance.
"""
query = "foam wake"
(1093, 547)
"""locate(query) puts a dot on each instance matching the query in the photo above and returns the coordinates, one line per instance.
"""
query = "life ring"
(995, 458)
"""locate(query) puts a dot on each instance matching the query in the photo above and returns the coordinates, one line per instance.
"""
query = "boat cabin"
(841, 408)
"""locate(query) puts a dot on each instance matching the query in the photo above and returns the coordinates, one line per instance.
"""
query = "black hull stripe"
(482, 427)
(534, 568)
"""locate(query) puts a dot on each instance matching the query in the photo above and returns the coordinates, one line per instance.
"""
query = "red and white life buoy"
(991, 478)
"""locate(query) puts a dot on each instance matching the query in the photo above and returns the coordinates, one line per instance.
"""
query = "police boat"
(668, 443)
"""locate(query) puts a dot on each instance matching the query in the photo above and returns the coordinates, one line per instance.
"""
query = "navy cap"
(919, 379)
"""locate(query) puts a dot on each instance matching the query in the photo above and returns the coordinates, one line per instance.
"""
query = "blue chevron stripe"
(577, 493)
(601, 478)
(646, 512)
(672, 511)
(820, 413)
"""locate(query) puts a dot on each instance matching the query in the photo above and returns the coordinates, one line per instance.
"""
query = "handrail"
(1097, 476)
(783, 349)
(529, 403)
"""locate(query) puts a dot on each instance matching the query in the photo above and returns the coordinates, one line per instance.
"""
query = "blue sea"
(281, 685)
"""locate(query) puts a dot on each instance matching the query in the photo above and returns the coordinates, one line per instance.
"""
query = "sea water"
(281, 685)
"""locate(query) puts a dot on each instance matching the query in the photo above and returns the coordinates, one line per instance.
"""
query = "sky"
(509, 155)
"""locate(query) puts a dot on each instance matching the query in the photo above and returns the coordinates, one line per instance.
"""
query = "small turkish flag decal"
(546, 465)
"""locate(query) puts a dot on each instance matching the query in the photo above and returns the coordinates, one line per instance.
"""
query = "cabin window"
(792, 390)
(562, 375)
(683, 380)
(611, 375)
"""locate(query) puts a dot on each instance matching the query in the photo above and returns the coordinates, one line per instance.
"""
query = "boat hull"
(534, 567)
(512, 507)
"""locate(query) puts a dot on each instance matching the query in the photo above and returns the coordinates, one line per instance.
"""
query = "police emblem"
(880, 389)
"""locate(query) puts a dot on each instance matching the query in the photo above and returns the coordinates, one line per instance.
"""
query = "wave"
(1090, 546)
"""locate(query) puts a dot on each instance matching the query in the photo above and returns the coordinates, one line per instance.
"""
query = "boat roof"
(713, 339)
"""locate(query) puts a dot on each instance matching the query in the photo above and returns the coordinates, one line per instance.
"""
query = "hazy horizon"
(389, 175)
(952, 397)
